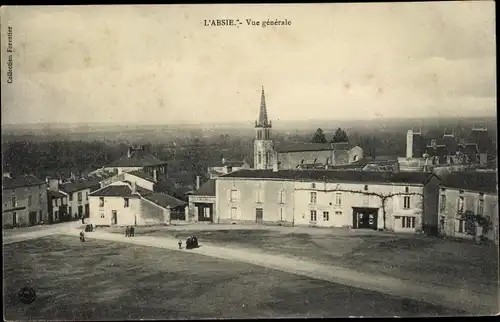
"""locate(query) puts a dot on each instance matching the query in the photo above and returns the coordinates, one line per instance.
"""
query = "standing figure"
(180, 244)
(131, 231)
(127, 231)
(82, 236)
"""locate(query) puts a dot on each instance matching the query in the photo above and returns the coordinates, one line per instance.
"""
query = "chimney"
(197, 182)
(129, 152)
(155, 175)
(53, 184)
(409, 144)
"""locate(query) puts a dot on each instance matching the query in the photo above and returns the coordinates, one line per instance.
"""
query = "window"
(464, 227)
(259, 158)
(86, 195)
(460, 207)
(338, 213)
(206, 212)
(40, 213)
(406, 202)
(79, 196)
(40, 195)
(126, 201)
(55, 200)
(14, 201)
(480, 205)
(326, 216)
(56, 215)
(70, 197)
(366, 187)
(282, 196)
(338, 199)
(408, 222)
(313, 198)
(407, 190)
(234, 195)
(29, 200)
(313, 215)
(442, 203)
(313, 185)
(259, 195)
(101, 202)
(267, 158)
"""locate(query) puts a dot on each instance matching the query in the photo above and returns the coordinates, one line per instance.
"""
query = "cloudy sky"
(159, 64)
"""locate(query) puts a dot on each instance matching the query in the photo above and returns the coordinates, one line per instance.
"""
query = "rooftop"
(22, 181)
(302, 147)
(142, 175)
(137, 158)
(334, 176)
(164, 200)
(79, 185)
(206, 189)
(56, 194)
(229, 163)
(114, 191)
(473, 181)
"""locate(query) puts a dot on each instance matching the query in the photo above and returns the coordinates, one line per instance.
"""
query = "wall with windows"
(101, 210)
(240, 200)
(318, 204)
(77, 201)
(454, 202)
(58, 208)
(192, 215)
(19, 203)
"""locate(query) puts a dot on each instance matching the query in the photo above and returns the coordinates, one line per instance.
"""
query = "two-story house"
(405, 202)
(472, 192)
(24, 201)
(78, 197)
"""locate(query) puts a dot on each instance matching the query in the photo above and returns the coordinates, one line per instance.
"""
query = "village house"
(403, 202)
(125, 203)
(78, 197)
(202, 203)
(24, 201)
(57, 202)
(294, 155)
(139, 158)
(471, 192)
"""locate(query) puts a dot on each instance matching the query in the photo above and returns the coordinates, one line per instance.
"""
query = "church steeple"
(263, 121)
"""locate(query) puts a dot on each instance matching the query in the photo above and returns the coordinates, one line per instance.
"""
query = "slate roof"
(303, 147)
(474, 181)
(138, 158)
(334, 176)
(56, 194)
(142, 175)
(439, 151)
(22, 181)
(79, 185)
(113, 191)
(451, 144)
(206, 189)
(164, 200)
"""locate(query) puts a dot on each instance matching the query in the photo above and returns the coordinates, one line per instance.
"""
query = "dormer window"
(407, 190)
(366, 187)
(313, 185)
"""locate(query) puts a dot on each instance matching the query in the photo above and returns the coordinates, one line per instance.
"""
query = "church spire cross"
(263, 110)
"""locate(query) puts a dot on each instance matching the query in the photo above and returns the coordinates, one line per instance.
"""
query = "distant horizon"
(252, 122)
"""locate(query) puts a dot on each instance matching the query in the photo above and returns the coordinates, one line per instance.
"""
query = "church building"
(291, 156)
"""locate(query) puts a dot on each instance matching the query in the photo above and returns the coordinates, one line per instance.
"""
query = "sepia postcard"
(228, 161)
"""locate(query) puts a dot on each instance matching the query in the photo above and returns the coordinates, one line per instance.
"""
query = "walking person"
(132, 231)
(127, 231)
(82, 236)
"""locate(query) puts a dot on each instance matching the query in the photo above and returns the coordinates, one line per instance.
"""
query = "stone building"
(24, 201)
(405, 201)
(202, 203)
(295, 155)
(475, 192)
(139, 158)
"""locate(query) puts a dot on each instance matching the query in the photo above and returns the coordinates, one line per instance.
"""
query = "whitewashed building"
(405, 202)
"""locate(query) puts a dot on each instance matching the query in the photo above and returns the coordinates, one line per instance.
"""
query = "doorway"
(87, 211)
(205, 211)
(32, 221)
(259, 215)
(114, 217)
(14, 219)
(365, 218)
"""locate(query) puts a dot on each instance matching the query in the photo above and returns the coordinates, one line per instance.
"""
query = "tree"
(340, 136)
(319, 137)
(369, 146)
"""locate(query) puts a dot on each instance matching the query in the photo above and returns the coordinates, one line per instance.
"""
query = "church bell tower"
(263, 145)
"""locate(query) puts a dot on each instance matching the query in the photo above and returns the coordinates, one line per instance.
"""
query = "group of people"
(130, 231)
